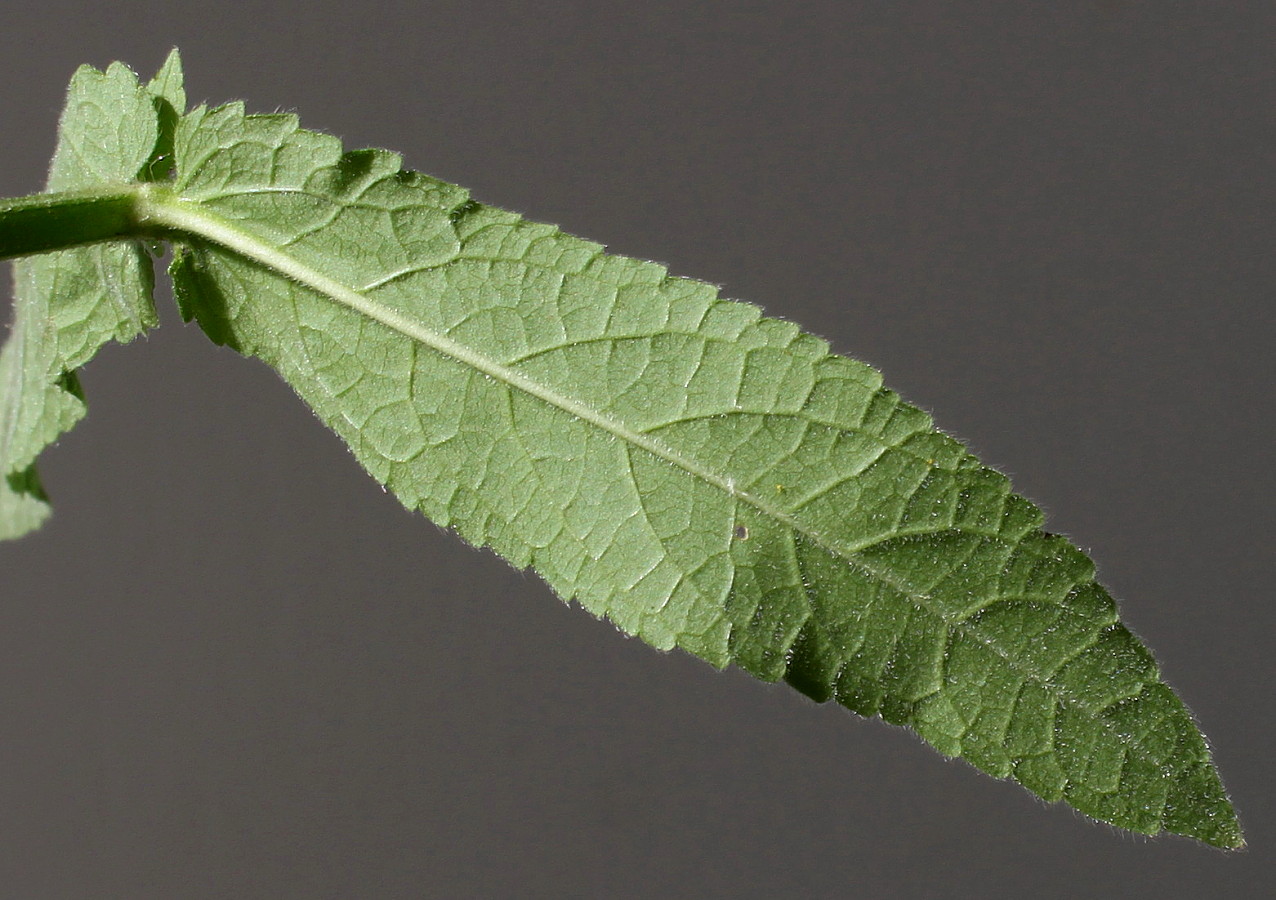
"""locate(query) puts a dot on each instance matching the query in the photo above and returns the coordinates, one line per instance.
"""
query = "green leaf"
(705, 477)
(68, 304)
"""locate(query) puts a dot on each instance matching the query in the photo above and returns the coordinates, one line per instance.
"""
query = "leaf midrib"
(161, 208)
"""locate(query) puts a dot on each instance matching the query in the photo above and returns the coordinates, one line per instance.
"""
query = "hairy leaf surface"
(705, 477)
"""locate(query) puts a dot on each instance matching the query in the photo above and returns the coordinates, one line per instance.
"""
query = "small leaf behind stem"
(70, 303)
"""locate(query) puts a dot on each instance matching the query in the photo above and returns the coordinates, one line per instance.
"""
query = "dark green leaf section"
(68, 304)
(703, 476)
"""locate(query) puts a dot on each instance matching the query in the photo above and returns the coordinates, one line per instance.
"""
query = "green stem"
(43, 222)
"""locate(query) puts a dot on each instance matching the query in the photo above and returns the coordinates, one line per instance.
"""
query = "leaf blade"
(705, 477)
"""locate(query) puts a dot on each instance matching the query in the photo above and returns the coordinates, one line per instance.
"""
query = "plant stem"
(43, 222)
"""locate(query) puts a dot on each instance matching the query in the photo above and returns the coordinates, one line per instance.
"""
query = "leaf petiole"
(40, 223)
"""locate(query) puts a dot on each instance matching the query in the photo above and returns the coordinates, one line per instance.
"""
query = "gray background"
(231, 666)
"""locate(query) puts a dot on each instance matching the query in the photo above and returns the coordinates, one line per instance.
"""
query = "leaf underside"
(703, 476)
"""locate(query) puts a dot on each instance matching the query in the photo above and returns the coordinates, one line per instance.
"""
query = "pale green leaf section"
(68, 304)
(703, 476)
